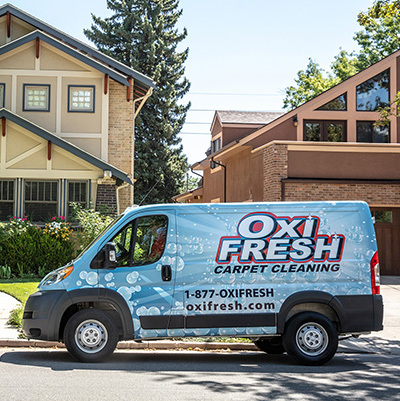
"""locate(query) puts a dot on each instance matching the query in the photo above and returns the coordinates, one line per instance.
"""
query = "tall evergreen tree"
(143, 35)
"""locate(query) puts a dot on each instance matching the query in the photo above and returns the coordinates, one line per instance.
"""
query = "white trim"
(24, 155)
(80, 135)
(104, 126)
(58, 105)
(14, 93)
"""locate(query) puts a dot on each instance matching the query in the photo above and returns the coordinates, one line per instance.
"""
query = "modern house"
(326, 149)
(67, 116)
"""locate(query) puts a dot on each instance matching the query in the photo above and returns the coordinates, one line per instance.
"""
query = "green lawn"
(19, 289)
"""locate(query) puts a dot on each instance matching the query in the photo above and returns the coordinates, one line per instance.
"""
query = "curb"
(144, 345)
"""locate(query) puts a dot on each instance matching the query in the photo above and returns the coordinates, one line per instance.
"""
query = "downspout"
(117, 192)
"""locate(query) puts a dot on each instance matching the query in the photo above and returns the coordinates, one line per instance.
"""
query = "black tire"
(272, 346)
(90, 335)
(310, 338)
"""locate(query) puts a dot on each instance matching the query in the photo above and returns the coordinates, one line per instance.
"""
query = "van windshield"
(109, 227)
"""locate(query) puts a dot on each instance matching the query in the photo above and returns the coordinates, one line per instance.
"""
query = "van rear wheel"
(310, 338)
(90, 335)
(272, 346)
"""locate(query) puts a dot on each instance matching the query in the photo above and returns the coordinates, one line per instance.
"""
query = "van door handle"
(166, 272)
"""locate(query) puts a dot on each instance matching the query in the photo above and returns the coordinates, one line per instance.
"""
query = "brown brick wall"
(373, 194)
(275, 162)
(106, 200)
(121, 136)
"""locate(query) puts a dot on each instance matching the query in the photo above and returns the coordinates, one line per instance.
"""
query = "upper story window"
(2, 95)
(216, 145)
(327, 131)
(36, 97)
(6, 199)
(374, 92)
(80, 99)
(366, 132)
(337, 104)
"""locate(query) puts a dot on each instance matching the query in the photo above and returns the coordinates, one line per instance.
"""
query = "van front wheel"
(310, 338)
(90, 335)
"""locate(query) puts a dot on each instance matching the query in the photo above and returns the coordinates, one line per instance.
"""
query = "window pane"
(381, 134)
(123, 245)
(364, 131)
(373, 93)
(338, 104)
(150, 239)
(81, 99)
(76, 193)
(6, 199)
(36, 97)
(383, 216)
(41, 200)
(335, 132)
(313, 132)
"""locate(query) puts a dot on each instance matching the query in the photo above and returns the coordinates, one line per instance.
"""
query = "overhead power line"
(195, 133)
(233, 94)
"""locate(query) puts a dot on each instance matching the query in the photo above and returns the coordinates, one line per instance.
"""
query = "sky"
(242, 53)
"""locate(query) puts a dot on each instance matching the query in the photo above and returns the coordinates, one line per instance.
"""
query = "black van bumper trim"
(208, 321)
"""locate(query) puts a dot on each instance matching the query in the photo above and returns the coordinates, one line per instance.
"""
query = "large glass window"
(81, 99)
(41, 200)
(36, 97)
(146, 236)
(6, 199)
(216, 145)
(366, 132)
(327, 131)
(374, 93)
(77, 193)
(337, 104)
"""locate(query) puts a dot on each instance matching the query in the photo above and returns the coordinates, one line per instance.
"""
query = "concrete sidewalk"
(386, 341)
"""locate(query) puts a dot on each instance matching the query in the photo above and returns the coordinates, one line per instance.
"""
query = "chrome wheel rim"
(312, 339)
(91, 336)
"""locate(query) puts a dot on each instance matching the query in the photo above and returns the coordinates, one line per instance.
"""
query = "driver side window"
(148, 234)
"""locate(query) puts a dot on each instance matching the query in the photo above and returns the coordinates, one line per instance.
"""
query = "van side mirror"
(106, 258)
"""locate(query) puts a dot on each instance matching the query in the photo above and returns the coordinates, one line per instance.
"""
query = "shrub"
(92, 223)
(28, 250)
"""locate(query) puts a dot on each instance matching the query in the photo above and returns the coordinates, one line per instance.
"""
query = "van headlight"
(57, 275)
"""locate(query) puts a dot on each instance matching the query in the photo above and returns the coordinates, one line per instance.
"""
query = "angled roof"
(88, 51)
(121, 78)
(247, 117)
(62, 143)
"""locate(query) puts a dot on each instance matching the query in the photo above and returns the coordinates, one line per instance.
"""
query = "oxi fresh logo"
(264, 237)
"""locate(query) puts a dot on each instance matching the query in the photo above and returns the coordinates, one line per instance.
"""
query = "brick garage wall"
(373, 194)
(275, 162)
(121, 136)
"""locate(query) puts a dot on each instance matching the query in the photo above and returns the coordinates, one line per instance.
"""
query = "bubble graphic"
(79, 282)
(83, 274)
(109, 277)
(125, 292)
(171, 247)
(92, 278)
(131, 278)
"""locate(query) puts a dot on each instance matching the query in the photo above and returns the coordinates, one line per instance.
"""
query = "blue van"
(291, 276)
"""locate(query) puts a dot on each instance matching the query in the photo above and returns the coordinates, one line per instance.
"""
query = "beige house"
(326, 149)
(67, 117)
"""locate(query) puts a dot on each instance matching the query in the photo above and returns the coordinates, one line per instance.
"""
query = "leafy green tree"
(378, 38)
(143, 35)
(309, 83)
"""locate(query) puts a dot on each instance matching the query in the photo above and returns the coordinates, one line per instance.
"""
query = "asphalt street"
(187, 375)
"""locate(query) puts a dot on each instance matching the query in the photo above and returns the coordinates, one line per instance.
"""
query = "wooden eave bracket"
(8, 24)
(105, 84)
(37, 48)
(49, 150)
(129, 90)
(3, 126)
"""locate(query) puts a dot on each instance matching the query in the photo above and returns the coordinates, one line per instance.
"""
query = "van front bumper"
(41, 320)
